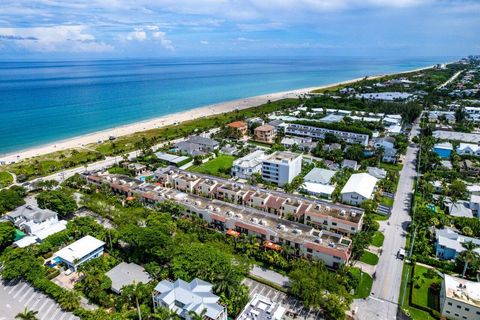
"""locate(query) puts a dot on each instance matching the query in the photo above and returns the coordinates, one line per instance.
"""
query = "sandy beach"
(80, 141)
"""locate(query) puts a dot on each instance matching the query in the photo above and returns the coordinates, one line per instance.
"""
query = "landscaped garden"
(365, 282)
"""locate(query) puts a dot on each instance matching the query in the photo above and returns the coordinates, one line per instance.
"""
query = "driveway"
(15, 296)
(383, 301)
(271, 276)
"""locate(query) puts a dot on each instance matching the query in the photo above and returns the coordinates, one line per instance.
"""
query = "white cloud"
(150, 32)
(137, 35)
(205, 42)
(56, 38)
(246, 39)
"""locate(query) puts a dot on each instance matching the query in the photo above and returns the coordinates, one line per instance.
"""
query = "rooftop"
(319, 175)
(361, 183)
(79, 248)
(237, 124)
(265, 127)
(262, 308)
(126, 274)
(194, 296)
(282, 156)
(462, 290)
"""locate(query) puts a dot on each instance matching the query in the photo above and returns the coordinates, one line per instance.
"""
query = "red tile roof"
(237, 124)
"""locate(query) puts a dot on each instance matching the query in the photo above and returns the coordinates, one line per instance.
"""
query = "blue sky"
(169, 28)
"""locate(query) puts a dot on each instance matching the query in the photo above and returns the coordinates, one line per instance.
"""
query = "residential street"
(382, 303)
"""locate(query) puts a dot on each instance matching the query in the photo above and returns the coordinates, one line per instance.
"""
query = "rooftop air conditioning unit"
(354, 214)
(217, 209)
(254, 220)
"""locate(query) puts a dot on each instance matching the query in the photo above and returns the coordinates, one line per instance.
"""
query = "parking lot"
(15, 296)
(295, 309)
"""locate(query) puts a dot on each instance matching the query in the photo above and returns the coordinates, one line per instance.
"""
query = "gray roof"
(319, 175)
(349, 163)
(377, 172)
(460, 209)
(195, 296)
(126, 274)
(451, 239)
(276, 123)
(203, 141)
(29, 213)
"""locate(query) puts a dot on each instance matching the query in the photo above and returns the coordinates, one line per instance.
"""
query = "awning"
(233, 233)
(273, 246)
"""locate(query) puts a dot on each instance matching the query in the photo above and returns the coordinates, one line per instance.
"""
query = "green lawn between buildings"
(421, 296)
(377, 239)
(365, 282)
(216, 167)
(369, 258)
(386, 201)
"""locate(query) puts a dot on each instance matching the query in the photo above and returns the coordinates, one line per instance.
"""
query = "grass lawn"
(391, 166)
(5, 179)
(216, 167)
(422, 292)
(364, 283)
(369, 258)
(379, 217)
(405, 290)
(387, 201)
(377, 239)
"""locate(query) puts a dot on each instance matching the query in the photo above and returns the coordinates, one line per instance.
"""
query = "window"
(459, 307)
(334, 223)
(447, 311)
(449, 303)
(467, 309)
(309, 250)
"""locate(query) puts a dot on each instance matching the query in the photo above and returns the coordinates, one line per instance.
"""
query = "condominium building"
(319, 133)
(265, 133)
(281, 167)
(459, 299)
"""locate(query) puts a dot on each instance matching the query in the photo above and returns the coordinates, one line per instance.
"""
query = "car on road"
(401, 254)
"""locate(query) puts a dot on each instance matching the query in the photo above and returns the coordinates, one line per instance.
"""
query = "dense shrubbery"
(11, 198)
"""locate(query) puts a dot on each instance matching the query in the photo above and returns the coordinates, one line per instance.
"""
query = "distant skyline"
(51, 29)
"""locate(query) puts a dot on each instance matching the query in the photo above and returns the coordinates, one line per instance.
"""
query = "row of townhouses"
(319, 133)
(319, 232)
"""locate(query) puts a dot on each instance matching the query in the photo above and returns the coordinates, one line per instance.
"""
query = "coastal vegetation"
(6, 179)
(44, 165)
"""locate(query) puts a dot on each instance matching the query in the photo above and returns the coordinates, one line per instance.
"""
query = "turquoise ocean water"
(43, 102)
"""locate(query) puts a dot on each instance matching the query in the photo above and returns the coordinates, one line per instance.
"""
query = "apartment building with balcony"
(319, 133)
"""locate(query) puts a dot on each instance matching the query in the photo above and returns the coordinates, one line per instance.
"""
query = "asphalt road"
(383, 301)
(15, 296)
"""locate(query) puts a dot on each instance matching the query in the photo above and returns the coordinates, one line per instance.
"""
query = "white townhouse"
(468, 149)
(79, 252)
(358, 188)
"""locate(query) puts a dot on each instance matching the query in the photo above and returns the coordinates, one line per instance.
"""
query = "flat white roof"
(318, 188)
(80, 248)
(361, 183)
(462, 290)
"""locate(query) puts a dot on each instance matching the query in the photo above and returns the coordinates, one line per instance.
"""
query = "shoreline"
(170, 119)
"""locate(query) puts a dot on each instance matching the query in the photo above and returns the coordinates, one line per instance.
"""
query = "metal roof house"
(186, 298)
(358, 188)
(80, 251)
(126, 274)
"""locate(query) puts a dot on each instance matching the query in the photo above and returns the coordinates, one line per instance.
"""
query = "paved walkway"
(270, 276)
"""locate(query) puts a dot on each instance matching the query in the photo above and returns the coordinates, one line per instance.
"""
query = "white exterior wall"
(353, 198)
(457, 310)
(282, 172)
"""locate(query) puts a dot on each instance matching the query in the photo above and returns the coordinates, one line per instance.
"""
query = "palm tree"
(195, 316)
(226, 282)
(27, 315)
(469, 255)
